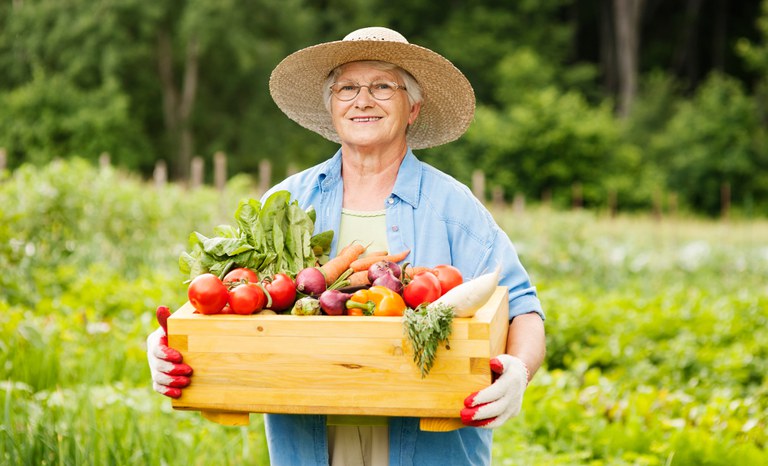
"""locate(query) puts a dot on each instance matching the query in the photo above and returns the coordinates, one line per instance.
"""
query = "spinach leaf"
(276, 236)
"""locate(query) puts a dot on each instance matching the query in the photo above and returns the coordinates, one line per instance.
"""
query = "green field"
(656, 330)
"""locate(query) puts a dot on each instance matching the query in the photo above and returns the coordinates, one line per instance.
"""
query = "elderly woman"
(380, 97)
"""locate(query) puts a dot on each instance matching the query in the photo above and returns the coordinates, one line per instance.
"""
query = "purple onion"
(310, 281)
(389, 280)
(381, 268)
(333, 302)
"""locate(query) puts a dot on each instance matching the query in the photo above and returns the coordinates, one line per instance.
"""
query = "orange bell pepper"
(376, 301)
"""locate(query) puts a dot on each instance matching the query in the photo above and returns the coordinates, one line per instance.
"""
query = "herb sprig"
(426, 328)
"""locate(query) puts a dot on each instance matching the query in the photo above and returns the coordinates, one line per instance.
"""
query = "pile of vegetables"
(271, 263)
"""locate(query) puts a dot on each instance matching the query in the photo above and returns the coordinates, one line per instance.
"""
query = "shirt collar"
(330, 172)
(407, 186)
(408, 183)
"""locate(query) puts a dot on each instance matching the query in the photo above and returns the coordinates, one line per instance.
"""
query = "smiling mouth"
(366, 119)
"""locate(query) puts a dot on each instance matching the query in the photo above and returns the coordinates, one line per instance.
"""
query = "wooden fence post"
(657, 204)
(104, 160)
(546, 197)
(478, 184)
(518, 205)
(220, 170)
(577, 199)
(160, 175)
(612, 203)
(725, 200)
(497, 197)
(3, 158)
(198, 167)
(673, 204)
(265, 175)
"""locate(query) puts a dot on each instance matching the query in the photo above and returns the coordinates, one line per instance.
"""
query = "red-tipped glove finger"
(494, 405)
(169, 374)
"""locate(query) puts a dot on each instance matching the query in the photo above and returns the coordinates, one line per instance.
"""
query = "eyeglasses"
(379, 90)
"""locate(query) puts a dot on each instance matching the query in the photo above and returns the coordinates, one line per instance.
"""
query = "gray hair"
(412, 88)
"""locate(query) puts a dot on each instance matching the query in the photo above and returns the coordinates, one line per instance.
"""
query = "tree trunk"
(687, 56)
(608, 48)
(627, 15)
(178, 105)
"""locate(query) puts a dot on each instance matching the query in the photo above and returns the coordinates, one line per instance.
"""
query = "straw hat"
(449, 101)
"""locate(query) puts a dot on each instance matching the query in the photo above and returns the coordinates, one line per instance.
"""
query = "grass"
(655, 328)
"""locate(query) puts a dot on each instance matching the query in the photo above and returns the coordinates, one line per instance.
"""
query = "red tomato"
(247, 298)
(282, 290)
(423, 288)
(448, 276)
(207, 294)
(239, 275)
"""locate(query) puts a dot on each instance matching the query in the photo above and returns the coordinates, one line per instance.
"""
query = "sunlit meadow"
(656, 330)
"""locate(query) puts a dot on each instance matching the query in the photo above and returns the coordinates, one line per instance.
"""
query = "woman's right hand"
(169, 374)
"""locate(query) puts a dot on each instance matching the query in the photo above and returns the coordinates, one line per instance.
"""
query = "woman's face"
(365, 121)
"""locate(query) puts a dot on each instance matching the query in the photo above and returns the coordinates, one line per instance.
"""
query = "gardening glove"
(493, 405)
(169, 375)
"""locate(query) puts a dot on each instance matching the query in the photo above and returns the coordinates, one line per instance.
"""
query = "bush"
(710, 141)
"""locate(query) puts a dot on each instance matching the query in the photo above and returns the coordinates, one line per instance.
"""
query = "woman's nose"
(364, 97)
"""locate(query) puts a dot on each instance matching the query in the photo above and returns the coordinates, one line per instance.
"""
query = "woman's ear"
(415, 109)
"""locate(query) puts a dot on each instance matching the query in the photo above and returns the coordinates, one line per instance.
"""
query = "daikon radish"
(470, 296)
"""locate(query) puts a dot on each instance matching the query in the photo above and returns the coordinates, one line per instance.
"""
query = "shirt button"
(391, 200)
(395, 228)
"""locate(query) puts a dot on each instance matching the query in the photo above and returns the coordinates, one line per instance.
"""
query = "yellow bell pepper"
(376, 301)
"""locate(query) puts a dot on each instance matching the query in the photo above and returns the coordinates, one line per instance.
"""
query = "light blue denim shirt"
(441, 222)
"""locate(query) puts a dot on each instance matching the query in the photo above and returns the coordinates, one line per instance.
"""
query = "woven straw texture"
(449, 101)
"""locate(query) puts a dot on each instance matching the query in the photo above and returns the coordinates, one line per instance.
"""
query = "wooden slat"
(359, 379)
(184, 321)
(391, 402)
(301, 346)
(331, 365)
(340, 365)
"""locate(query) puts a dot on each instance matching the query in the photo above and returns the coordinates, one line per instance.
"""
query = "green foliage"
(50, 117)
(84, 77)
(710, 141)
(543, 140)
(68, 215)
(655, 330)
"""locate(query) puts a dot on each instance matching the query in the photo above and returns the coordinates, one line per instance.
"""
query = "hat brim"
(449, 101)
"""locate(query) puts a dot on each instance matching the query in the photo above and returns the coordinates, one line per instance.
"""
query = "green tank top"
(365, 227)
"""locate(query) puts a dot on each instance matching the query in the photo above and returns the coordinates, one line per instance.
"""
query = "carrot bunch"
(349, 263)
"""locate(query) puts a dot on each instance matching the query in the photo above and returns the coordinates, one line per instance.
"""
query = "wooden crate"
(331, 365)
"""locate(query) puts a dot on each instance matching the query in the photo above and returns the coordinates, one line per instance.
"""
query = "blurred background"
(631, 104)
(622, 145)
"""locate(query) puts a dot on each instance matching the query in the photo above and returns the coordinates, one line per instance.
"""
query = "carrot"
(375, 253)
(359, 278)
(365, 262)
(412, 271)
(339, 264)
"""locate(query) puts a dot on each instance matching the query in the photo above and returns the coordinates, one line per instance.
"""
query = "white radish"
(470, 296)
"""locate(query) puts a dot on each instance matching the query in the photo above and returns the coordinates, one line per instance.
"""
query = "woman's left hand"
(492, 406)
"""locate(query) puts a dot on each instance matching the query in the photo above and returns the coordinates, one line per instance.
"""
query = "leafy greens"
(270, 238)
